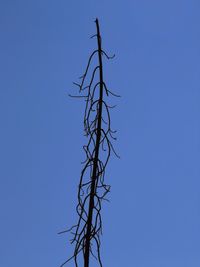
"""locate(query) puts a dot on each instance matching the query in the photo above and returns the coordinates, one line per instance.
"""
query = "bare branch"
(92, 188)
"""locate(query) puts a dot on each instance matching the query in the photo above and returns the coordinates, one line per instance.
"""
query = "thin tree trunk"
(92, 187)
(98, 138)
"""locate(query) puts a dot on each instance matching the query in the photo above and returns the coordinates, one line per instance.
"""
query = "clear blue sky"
(153, 219)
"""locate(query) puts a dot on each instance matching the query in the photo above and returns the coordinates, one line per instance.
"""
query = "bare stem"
(92, 187)
(96, 157)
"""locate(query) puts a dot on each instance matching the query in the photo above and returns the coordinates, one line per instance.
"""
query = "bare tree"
(92, 188)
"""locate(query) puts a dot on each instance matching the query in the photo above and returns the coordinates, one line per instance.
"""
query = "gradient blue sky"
(153, 219)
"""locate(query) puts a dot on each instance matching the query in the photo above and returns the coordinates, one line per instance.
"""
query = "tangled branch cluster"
(92, 185)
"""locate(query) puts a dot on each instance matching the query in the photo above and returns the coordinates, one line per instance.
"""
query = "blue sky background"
(153, 219)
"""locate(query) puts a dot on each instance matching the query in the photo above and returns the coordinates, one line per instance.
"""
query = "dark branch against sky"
(155, 187)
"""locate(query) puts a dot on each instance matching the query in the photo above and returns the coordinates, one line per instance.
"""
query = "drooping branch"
(92, 188)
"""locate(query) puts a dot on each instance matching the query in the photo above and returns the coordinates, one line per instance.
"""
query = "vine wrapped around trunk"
(92, 188)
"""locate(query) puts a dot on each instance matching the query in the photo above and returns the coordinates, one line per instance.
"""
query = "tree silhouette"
(92, 188)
